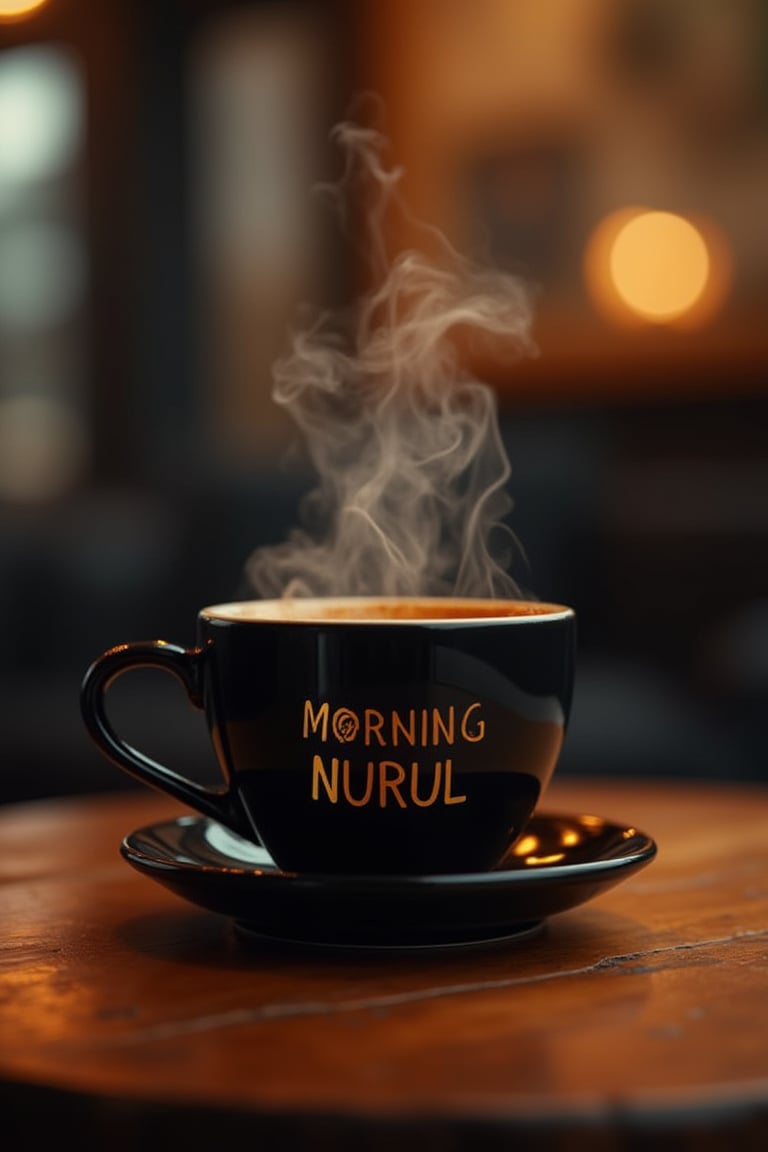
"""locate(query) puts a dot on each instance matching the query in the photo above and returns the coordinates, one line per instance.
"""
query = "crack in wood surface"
(309, 1008)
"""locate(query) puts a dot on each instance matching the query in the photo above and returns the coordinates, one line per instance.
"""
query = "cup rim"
(314, 610)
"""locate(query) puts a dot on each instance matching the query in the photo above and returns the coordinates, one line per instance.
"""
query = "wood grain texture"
(644, 1011)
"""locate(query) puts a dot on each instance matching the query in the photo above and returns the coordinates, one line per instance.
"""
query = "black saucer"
(560, 862)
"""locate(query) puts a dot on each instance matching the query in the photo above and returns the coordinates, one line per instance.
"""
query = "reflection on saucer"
(233, 847)
(560, 862)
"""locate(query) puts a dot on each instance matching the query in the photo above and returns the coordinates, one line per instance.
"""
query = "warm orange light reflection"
(554, 858)
(570, 838)
(15, 9)
(645, 266)
(592, 821)
(526, 845)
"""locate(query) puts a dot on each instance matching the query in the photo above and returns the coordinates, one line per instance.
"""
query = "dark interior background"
(143, 460)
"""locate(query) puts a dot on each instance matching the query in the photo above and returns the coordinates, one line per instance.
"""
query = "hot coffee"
(366, 735)
(381, 608)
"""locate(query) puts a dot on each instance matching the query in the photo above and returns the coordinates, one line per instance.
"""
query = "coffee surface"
(382, 609)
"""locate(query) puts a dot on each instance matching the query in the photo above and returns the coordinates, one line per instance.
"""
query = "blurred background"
(157, 234)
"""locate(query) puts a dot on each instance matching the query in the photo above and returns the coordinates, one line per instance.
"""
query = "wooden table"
(134, 1018)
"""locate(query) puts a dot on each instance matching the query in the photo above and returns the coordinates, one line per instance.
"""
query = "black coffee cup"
(365, 735)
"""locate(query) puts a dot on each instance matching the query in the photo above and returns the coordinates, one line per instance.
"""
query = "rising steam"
(411, 467)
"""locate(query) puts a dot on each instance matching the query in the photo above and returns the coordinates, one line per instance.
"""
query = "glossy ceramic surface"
(397, 744)
(559, 863)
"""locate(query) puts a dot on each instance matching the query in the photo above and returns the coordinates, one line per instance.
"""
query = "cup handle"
(186, 665)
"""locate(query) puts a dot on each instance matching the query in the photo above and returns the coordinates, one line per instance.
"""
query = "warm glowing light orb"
(659, 264)
(646, 266)
(13, 9)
